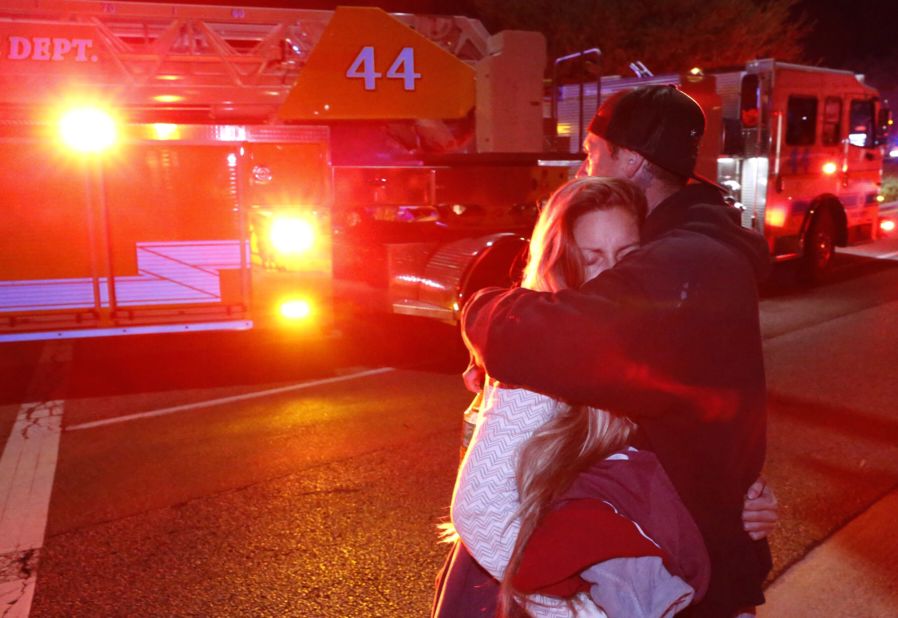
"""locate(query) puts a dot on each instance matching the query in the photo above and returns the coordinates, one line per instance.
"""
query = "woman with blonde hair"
(550, 499)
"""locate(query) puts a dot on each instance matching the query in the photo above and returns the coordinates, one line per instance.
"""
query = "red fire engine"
(171, 167)
(800, 148)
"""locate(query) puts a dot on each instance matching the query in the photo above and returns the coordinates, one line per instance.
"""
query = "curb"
(852, 574)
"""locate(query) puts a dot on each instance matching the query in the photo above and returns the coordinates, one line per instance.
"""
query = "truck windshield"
(861, 124)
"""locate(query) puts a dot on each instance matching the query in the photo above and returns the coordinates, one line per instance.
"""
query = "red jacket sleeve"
(572, 538)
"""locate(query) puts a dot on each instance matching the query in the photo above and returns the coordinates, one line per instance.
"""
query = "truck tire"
(501, 267)
(819, 247)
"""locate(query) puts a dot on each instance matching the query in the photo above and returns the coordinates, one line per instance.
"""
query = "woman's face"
(604, 237)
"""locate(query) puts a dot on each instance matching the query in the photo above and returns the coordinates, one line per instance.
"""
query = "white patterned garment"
(486, 495)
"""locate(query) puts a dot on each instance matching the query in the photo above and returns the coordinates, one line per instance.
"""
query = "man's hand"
(759, 511)
(474, 377)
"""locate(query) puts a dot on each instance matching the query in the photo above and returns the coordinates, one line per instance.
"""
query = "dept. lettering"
(50, 49)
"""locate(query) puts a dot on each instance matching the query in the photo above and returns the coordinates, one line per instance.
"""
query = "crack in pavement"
(16, 576)
(16, 565)
(37, 418)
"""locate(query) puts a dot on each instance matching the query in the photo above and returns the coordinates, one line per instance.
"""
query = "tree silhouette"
(668, 36)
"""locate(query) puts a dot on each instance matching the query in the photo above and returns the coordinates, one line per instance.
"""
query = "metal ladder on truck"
(208, 62)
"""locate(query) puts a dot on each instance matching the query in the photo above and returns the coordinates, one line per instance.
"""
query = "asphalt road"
(288, 479)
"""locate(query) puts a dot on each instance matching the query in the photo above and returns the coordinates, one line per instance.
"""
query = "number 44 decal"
(403, 68)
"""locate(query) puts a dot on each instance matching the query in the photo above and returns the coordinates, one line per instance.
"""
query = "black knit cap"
(662, 123)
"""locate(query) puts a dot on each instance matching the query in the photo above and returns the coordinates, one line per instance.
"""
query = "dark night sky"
(850, 30)
(859, 35)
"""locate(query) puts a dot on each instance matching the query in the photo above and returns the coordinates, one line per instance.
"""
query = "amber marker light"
(88, 129)
(829, 168)
(775, 216)
(166, 131)
(564, 128)
(295, 309)
(168, 98)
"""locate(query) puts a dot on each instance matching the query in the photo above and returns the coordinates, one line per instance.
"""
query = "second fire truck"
(799, 148)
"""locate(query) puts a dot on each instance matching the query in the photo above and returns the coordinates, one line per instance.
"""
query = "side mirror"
(883, 124)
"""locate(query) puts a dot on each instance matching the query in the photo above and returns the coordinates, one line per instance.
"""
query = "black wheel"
(501, 267)
(819, 247)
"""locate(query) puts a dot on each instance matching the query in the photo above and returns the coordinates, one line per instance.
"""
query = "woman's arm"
(485, 499)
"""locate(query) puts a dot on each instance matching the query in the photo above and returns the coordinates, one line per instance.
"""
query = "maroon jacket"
(671, 338)
(591, 522)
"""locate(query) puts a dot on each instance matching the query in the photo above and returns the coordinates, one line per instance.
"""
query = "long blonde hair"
(577, 435)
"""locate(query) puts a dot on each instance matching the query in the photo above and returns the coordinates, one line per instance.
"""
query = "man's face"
(599, 160)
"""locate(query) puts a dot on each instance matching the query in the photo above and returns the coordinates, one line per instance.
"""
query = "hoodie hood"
(700, 208)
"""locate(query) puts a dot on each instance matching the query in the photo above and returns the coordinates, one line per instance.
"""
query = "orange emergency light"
(88, 129)
(775, 216)
(295, 309)
(292, 235)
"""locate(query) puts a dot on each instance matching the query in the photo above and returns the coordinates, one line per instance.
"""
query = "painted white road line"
(27, 468)
(225, 400)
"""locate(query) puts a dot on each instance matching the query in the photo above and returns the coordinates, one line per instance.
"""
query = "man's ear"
(633, 162)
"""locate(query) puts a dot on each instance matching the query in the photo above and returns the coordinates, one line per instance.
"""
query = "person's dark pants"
(464, 588)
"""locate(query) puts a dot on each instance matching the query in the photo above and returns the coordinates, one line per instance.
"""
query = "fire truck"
(799, 148)
(170, 168)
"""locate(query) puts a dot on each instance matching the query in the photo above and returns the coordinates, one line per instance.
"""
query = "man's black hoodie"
(671, 338)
